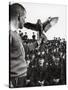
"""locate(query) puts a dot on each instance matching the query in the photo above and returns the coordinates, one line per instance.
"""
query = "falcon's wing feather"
(46, 25)
(29, 25)
(49, 23)
(54, 20)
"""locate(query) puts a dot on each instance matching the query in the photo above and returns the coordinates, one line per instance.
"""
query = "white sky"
(43, 11)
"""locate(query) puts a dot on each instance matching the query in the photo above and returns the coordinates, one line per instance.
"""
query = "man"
(17, 63)
(33, 36)
(25, 36)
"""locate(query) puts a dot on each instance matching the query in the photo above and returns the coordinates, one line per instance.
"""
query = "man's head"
(25, 33)
(33, 56)
(17, 13)
(41, 61)
(33, 33)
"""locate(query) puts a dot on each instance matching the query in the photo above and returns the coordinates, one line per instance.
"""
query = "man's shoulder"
(12, 33)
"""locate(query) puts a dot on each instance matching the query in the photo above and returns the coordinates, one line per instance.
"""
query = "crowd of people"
(25, 37)
(46, 63)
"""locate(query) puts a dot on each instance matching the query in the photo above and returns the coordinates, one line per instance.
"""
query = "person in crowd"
(25, 36)
(20, 33)
(33, 36)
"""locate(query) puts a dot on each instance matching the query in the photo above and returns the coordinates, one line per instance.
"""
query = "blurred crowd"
(25, 36)
(46, 62)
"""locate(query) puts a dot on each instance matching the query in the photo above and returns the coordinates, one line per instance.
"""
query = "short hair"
(15, 10)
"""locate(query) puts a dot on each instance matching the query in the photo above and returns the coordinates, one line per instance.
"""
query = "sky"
(43, 11)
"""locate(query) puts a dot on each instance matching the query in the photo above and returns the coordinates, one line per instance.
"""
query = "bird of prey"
(39, 26)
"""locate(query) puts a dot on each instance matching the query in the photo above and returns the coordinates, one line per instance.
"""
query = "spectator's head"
(41, 61)
(53, 57)
(61, 54)
(54, 50)
(28, 62)
(27, 56)
(43, 52)
(56, 43)
(47, 51)
(25, 33)
(17, 15)
(19, 31)
(39, 53)
(63, 39)
(58, 38)
(55, 38)
(33, 56)
(33, 33)
(22, 34)
(46, 64)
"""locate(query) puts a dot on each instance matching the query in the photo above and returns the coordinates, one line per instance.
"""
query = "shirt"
(17, 61)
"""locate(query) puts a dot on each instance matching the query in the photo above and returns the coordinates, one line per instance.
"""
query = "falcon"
(40, 27)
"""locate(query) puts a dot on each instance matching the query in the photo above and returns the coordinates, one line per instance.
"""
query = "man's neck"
(13, 26)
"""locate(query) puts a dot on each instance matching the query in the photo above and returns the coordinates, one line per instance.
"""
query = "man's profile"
(17, 63)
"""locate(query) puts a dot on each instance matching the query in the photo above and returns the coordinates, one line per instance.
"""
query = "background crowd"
(46, 62)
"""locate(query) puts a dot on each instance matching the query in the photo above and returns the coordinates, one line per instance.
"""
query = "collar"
(14, 29)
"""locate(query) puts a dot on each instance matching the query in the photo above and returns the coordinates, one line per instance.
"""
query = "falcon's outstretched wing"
(31, 26)
(46, 25)
(49, 23)
(54, 20)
